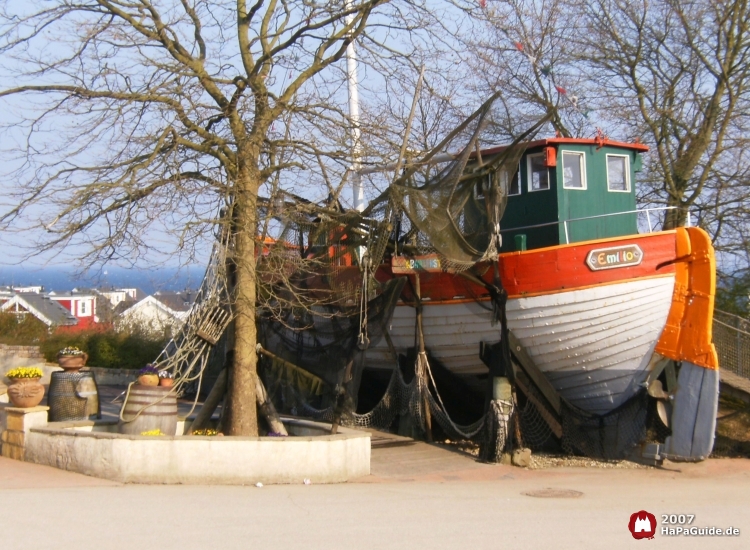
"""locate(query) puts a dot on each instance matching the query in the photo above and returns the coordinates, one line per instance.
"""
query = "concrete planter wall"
(91, 448)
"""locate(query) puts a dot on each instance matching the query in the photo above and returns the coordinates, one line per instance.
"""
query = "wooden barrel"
(157, 408)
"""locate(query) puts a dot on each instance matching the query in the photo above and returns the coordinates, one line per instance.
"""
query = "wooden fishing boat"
(596, 305)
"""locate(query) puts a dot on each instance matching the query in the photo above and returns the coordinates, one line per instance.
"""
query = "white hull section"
(593, 344)
(452, 333)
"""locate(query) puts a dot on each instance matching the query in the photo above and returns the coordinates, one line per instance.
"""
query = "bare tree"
(673, 75)
(525, 48)
(676, 75)
(132, 119)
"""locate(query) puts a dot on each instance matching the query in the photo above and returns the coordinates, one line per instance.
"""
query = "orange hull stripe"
(549, 270)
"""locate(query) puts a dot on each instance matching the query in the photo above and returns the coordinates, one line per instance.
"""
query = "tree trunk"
(243, 417)
(212, 401)
(675, 218)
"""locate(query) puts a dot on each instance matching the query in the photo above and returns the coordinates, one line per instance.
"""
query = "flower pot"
(148, 379)
(72, 363)
(166, 382)
(25, 392)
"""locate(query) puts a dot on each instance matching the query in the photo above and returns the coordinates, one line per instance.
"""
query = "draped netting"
(402, 400)
(453, 208)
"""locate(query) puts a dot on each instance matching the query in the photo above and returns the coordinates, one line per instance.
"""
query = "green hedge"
(106, 349)
(23, 330)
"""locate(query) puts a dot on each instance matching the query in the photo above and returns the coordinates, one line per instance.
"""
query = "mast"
(351, 74)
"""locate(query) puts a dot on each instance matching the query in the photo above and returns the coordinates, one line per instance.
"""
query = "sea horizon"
(61, 279)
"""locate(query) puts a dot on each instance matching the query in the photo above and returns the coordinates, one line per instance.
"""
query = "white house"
(118, 295)
(36, 289)
(49, 311)
(153, 315)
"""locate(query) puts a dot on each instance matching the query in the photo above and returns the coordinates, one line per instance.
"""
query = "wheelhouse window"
(618, 173)
(83, 308)
(574, 172)
(538, 175)
(481, 186)
(511, 187)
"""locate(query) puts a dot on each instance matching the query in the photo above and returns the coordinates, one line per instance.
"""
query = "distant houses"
(162, 313)
(80, 303)
(48, 311)
(90, 309)
(118, 295)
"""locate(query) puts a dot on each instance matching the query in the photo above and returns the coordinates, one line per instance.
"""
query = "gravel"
(541, 461)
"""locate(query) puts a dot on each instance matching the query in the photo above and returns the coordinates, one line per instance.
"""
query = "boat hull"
(592, 333)
(594, 344)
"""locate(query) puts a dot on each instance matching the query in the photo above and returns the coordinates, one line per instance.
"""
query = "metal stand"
(73, 396)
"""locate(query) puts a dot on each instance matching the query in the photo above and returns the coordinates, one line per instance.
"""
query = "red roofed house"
(81, 304)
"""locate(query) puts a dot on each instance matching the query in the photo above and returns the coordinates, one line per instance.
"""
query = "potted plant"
(148, 376)
(25, 390)
(166, 379)
(71, 359)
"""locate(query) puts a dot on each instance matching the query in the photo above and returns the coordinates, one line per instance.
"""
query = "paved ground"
(418, 496)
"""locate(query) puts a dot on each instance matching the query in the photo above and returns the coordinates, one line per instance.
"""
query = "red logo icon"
(642, 525)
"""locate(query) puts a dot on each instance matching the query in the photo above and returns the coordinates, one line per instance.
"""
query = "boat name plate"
(616, 256)
(429, 263)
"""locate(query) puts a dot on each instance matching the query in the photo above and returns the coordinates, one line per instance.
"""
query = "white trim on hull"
(593, 344)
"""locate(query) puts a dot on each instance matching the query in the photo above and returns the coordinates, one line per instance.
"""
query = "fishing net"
(454, 210)
(321, 303)
(532, 411)
(411, 402)
(610, 436)
(317, 345)
(189, 353)
(324, 292)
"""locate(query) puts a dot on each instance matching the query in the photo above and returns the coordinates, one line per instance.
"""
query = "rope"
(363, 342)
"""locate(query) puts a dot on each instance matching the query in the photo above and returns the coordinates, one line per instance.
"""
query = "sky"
(15, 247)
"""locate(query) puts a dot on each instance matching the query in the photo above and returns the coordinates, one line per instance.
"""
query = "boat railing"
(565, 223)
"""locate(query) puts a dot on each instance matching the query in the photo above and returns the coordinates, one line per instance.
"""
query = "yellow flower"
(157, 431)
(25, 372)
(207, 431)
